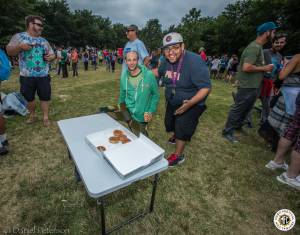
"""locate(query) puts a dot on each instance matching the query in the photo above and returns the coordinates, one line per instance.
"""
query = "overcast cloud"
(140, 11)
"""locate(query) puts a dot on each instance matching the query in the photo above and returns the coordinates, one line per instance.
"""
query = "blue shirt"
(138, 46)
(31, 62)
(193, 76)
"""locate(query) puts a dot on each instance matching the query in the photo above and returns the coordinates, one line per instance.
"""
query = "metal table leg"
(133, 218)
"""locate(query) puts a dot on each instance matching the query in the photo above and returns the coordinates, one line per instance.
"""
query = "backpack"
(15, 101)
(5, 67)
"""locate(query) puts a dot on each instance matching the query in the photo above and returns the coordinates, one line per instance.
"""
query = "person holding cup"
(34, 53)
(250, 74)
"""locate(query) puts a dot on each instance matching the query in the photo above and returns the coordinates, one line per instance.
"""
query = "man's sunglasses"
(38, 24)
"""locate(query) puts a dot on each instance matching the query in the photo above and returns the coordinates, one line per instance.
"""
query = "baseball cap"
(172, 38)
(133, 27)
(265, 27)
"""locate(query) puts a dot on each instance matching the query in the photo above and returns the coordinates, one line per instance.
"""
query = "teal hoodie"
(143, 99)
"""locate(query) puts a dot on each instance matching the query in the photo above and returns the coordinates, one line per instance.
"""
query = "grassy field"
(221, 188)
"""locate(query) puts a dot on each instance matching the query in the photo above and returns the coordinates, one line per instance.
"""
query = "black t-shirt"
(193, 76)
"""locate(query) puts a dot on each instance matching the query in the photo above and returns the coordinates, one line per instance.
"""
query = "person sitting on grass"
(139, 92)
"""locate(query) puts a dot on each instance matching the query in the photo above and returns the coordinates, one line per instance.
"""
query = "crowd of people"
(185, 75)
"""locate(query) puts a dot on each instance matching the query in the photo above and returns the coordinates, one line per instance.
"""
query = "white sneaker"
(274, 166)
(293, 182)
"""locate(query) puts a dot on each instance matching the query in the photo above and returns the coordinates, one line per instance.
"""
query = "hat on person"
(265, 27)
(132, 27)
(171, 39)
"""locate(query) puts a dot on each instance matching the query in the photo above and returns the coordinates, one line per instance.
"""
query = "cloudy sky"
(140, 11)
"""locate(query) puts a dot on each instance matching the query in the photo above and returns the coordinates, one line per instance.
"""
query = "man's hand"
(25, 47)
(187, 104)
(147, 117)
(49, 57)
(268, 68)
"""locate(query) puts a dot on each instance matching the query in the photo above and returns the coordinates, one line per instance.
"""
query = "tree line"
(229, 32)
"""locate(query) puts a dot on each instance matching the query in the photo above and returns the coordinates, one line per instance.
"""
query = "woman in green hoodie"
(139, 91)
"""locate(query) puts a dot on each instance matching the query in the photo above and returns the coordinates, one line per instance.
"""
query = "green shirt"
(134, 80)
(253, 54)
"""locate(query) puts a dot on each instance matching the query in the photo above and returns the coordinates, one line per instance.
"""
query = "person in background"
(202, 54)
(250, 74)
(74, 58)
(135, 44)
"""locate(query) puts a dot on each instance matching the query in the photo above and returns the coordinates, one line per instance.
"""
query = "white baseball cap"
(172, 38)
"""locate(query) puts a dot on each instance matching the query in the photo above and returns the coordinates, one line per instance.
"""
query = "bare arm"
(250, 68)
(14, 50)
(187, 104)
(147, 61)
(290, 66)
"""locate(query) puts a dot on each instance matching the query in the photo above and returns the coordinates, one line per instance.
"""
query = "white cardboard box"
(127, 158)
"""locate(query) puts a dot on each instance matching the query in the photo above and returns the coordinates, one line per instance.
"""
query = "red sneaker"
(175, 159)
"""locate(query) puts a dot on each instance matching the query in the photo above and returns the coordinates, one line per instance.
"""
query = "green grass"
(221, 188)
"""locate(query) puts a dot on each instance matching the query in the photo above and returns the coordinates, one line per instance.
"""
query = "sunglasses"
(38, 24)
(128, 30)
(175, 47)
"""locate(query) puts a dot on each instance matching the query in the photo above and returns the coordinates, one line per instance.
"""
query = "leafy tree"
(152, 34)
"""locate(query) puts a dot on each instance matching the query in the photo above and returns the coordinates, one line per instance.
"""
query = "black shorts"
(32, 85)
(222, 70)
(183, 125)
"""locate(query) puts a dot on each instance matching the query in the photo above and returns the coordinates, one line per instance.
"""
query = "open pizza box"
(125, 158)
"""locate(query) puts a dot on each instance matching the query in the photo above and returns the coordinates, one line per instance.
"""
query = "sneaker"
(274, 166)
(231, 138)
(3, 150)
(5, 143)
(293, 182)
(172, 140)
(175, 159)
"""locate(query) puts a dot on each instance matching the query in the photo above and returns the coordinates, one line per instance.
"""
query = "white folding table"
(98, 177)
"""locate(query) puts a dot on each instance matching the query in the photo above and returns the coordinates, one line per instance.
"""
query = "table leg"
(76, 174)
(101, 202)
(153, 193)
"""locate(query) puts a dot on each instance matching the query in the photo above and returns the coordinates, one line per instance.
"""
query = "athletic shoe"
(172, 140)
(175, 159)
(3, 150)
(293, 182)
(5, 143)
(274, 166)
(231, 138)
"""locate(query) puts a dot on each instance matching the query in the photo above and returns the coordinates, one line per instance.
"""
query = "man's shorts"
(32, 85)
(183, 125)
(292, 132)
(222, 70)
(213, 71)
